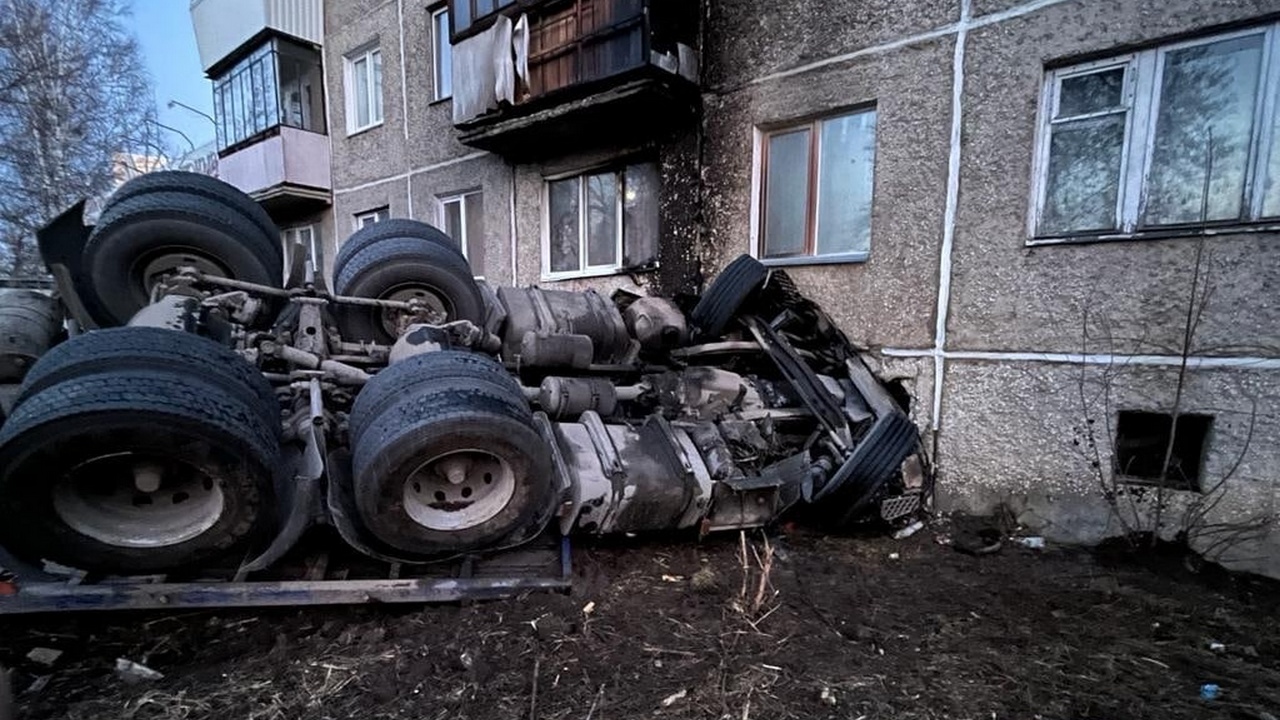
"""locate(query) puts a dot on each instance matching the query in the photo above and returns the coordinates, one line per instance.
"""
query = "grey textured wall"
(1006, 427)
(1006, 424)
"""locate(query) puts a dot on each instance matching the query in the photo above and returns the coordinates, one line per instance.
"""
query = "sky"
(163, 28)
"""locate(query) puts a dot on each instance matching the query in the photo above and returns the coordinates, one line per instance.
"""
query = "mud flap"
(61, 245)
(301, 498)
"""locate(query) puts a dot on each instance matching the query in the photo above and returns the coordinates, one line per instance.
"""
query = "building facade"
(1054, 223)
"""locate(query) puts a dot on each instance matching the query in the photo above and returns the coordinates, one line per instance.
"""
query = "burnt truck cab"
(209, 408)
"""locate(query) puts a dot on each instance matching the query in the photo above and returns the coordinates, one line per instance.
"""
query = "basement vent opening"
(1142, 443)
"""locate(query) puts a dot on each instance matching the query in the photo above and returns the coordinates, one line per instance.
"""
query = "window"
(815, 188)
(364, 90)
(1143, 442)
(306, 237)
(442, 53)
(462, 217)
(1167, 138)
(277, 84)
(466, 13)
(365, 219)
(602, 222)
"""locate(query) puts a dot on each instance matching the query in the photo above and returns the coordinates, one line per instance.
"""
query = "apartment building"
(1054, 223)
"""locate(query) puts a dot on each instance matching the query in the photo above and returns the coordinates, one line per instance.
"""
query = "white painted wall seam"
(511, 203)
(949, 214)
(400, 176)
(404, 105)
(942, 31)
(1195, 361)
(404, 75)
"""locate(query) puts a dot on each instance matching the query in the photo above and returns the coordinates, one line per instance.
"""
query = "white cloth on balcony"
(504, 87)
(520, 45)
(483, 72)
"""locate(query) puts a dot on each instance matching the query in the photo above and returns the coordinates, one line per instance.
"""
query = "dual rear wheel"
(139, 450)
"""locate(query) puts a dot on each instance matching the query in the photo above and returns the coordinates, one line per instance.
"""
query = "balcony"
(224, 27)
(287, 172)
(269, 107)
(596, 73)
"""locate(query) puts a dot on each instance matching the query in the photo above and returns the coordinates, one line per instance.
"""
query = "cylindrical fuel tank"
(559, 312)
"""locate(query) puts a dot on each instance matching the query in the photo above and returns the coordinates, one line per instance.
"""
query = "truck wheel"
(141, 348)
(430, 370)
(140, 239)
(405, 269)
(204, 186)
(453, 469)
(389, 229)
(135, 471)
(727, 295)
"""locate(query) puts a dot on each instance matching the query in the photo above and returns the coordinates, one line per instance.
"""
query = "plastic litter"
(130, 671)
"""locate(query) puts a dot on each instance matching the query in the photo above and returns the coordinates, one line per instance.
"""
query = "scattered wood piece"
(674, 697)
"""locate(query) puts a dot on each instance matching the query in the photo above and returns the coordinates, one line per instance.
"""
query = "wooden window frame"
(760, 186)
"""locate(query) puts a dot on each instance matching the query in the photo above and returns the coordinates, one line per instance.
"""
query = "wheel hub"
(131, 501)
(458, 490)
(434, 310)
(168, 262)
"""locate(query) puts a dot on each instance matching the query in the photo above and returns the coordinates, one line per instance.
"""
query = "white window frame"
(584, 270)
(437, 43)
(289, 236)
(369, 217)
(760, 136)
(460, 198)
(349, 87)
(1144, 72)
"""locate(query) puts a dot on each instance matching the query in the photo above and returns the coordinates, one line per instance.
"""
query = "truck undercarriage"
(201, 418)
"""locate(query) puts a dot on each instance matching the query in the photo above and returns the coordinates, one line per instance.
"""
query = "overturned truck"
(191, 415)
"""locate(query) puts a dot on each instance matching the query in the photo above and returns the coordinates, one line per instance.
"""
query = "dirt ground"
(846, 628)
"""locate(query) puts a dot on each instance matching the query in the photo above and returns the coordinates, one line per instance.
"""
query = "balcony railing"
(277, 83)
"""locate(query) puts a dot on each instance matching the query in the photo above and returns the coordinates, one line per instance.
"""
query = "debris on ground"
(674, 697)
(909, 530)
(132, 672)
(44, 656)
(1031, 542)
(957, 633)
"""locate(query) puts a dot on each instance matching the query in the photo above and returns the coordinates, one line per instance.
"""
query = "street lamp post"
(201, 113)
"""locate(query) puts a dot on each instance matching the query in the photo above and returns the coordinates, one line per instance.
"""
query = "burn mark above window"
(1144, 440)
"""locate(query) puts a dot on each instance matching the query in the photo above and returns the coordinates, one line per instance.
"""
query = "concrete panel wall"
(381, 151)
(890, 299)
(1005, 423)
(1018, 433)
(491, 176)
(749, 39)
(1006, 296)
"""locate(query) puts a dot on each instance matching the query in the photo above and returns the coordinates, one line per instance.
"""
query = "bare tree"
(75, 106)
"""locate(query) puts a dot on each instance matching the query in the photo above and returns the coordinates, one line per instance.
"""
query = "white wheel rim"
(458, 490)
(130, 501)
